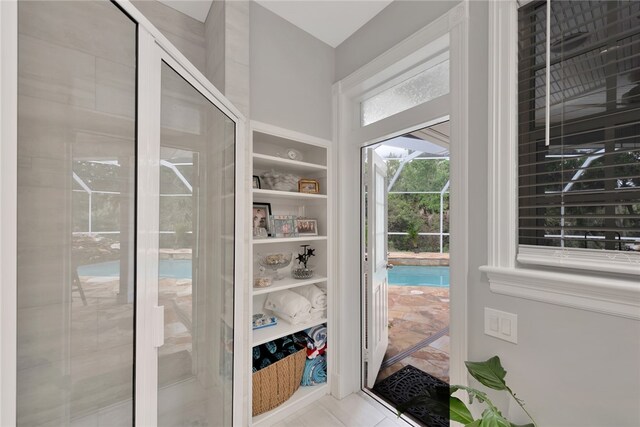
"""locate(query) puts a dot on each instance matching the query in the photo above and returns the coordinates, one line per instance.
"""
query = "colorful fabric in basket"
(269, 353)
(315, 371)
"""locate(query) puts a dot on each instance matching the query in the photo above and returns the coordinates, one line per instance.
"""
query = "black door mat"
(407, 383)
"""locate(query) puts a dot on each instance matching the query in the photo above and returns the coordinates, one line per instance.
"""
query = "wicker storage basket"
(275, 384)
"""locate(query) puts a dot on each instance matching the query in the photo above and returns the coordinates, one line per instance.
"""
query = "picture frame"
(256, 182)
(283, 226)
(306, 227)
(261, 219)
(309, 186)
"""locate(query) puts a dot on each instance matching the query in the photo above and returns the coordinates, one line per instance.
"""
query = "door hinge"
(366, 355)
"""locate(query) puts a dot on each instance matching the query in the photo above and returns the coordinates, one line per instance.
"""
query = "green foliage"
(407, 212)
(489, 373)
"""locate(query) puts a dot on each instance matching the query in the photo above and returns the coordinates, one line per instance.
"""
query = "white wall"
(395, 23)
(572, 367)
(291, 75)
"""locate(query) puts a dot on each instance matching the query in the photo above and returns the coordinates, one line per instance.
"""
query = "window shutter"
(580, 187)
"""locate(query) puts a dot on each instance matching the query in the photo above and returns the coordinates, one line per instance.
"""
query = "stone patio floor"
(416, 313)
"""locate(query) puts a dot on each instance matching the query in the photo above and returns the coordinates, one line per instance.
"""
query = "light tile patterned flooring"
(354, 410)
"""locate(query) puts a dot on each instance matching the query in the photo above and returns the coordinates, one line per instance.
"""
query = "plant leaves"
(522, 425)
(489, 373)
(476, 423)
(491, 418)
(459, 412)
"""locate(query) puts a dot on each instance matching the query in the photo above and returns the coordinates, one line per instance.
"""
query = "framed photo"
(256, 181)
(261, 214)
(310, 186)
(284, 226)
(307, 227)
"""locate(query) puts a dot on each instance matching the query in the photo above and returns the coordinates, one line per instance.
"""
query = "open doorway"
(405, 226)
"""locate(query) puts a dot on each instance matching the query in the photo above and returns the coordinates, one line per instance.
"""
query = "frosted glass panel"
(423, 87)
(76, 199)
(197, 175)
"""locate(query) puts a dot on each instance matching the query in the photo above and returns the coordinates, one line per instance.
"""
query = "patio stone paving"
(415, 314)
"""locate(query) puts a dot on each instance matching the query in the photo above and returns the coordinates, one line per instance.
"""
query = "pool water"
(168, 268)
(409, 275)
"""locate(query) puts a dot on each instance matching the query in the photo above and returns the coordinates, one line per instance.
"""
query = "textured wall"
(186, 33)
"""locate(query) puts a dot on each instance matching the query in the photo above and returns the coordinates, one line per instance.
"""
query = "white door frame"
(153, 48)
(349, 137)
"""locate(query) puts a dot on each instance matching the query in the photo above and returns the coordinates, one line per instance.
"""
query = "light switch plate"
(500, 324)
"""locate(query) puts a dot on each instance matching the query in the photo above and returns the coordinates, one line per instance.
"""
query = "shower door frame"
(152, 49)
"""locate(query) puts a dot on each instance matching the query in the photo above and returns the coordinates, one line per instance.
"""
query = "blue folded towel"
(318, 334)
(315, 371)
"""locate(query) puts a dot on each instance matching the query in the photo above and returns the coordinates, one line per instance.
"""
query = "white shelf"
(285, 195)
(288, 283)
(264, 161)
(299, 399)
(267, 240)
(261, 336)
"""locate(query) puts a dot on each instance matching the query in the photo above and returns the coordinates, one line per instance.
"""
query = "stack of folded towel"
(302, 305)
(318, 299)
(315, 369)
(289, 306)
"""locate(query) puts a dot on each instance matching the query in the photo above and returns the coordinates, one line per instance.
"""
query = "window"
(545, 192)
(579, 132)
(414, 90)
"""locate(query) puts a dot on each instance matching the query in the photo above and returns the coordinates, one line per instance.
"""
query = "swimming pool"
(168, 268)
(410, 275)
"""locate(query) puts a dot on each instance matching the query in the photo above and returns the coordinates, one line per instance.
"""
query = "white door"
(377, 331)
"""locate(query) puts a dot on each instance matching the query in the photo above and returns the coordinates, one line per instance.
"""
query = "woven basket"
(275, 384)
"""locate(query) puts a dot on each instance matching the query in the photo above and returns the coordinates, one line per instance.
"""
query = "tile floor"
(355, 410)
(416, 313)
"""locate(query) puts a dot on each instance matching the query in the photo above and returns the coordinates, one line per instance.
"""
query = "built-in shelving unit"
(270, 146)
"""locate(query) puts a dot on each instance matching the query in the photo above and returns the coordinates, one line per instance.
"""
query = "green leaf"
(493, 418)
(522, 425)
(476, 423)
(489, 373)
(458, 411)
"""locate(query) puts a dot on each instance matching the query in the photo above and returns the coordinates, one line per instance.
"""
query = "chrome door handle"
(389, 266)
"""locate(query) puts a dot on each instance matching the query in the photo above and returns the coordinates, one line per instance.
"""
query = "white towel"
(289, 306)
(316, 296)
(318, 313)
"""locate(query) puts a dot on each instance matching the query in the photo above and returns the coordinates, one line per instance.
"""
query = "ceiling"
(327, 20)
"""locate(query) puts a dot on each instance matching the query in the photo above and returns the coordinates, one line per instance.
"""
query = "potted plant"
(442, 402)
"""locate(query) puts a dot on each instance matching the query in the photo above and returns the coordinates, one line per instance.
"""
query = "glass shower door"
(196, 257)
(76, 214)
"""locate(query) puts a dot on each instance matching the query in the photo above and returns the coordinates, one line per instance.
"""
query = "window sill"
(613, 296)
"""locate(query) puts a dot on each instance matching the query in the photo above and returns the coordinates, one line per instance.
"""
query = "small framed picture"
(256, 181)
(261, 215)
(310, 186)
(307, 227)
(284, 226)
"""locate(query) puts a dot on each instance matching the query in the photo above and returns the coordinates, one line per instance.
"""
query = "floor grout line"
(408, 352)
